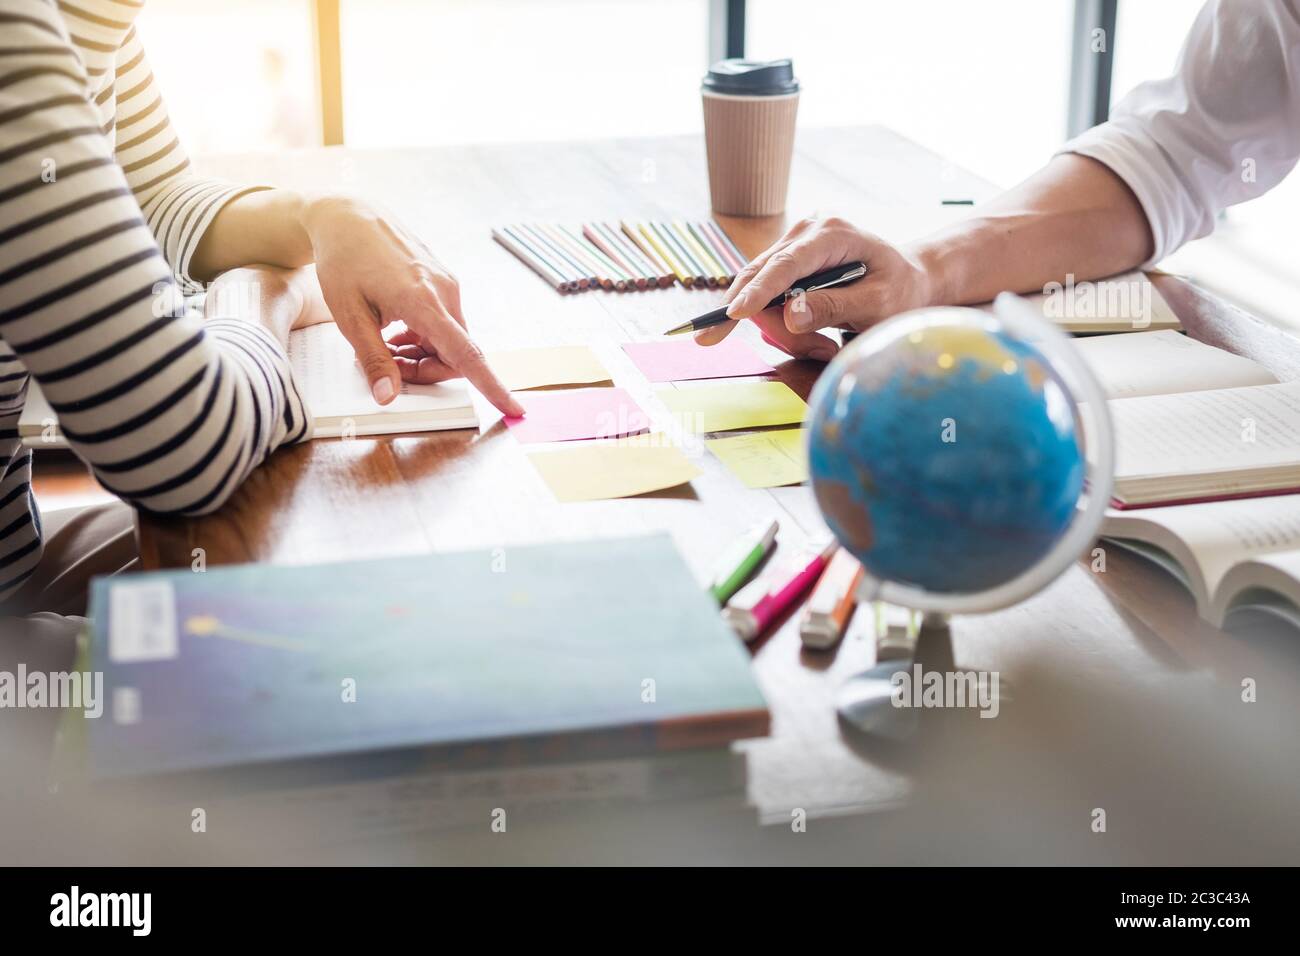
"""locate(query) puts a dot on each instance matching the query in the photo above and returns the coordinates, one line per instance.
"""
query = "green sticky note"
(732, 405)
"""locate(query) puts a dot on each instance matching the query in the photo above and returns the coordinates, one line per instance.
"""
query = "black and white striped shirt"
(100, 214)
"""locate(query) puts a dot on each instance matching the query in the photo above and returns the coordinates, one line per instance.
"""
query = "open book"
(1193, 422)
(337, 393)
(1205, 445)
(1164, 363)
(334, 389)
(1237, 558)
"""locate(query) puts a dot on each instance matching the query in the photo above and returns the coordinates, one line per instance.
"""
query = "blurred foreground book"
(421, 691)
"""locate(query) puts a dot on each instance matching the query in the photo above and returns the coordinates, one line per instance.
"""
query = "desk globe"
(947, 453)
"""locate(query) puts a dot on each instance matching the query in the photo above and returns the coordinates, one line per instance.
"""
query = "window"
(983, 84)
(238, 75)
(432, 72)
(1148, 36)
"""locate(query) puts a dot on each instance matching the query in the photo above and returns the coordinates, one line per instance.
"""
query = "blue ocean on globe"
(945, 457)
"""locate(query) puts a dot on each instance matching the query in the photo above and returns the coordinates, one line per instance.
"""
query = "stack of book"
(1207, 472)
(437, 690)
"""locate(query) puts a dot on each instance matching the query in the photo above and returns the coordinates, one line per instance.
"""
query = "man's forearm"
(1074, 216)
(258, 228)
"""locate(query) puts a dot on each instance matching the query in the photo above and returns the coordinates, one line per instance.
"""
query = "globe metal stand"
(866, 701)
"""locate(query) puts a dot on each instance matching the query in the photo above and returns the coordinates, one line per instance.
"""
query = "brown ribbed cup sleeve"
(749, 141)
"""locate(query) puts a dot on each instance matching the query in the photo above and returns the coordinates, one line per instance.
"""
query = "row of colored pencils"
(626, 256)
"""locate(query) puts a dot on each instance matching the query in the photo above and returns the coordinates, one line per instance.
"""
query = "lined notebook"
(564, 651)
(335, 390)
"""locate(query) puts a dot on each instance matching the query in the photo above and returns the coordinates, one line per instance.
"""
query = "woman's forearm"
(257, 228)
(1074, 216)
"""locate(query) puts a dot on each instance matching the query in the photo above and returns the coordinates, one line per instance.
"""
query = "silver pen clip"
(857, 273)
(849, 276)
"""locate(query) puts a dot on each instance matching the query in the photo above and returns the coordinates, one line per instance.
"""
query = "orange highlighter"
(760, 602)
(832, 602)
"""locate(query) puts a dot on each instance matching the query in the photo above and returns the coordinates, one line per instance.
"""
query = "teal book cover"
(507, 655)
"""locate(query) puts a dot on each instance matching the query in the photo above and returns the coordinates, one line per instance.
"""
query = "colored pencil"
(710, 246)
(583, 279)
(648, 236)
(680, 268)
(679, 242)
(521, 236)
(590, 266)
(716, 271)
(660, 276)
(654, 273)
(623, 279)
(533, 261)
(610, 275)
(625, 255)
(636, 274)
(651, 252)
(634, 236)
(711, 258)
(738, 258)
(723, 250)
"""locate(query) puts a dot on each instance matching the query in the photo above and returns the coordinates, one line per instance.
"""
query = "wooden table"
(334, 500)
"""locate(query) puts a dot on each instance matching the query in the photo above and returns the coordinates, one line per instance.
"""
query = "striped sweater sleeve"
(170, 413)
(178, 204)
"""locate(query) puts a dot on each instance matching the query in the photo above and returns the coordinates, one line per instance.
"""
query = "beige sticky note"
(613, 469)
(731, 405)
(521, 369)
(764, 459)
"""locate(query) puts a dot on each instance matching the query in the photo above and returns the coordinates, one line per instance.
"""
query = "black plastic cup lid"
(751, 78)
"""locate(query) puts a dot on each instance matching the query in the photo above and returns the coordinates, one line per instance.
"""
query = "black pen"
(838, 275)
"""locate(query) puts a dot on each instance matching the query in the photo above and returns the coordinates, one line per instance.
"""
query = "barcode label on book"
(142, 622)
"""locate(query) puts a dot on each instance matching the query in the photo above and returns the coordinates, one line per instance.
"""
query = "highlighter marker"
(740, 559)
(763, 600)
(832, 602)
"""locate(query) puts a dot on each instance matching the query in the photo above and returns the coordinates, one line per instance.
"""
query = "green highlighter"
(740, 559)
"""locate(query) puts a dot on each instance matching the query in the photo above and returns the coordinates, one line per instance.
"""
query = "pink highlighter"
(760, 602)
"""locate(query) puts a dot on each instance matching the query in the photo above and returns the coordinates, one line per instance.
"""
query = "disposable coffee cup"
(749, 114)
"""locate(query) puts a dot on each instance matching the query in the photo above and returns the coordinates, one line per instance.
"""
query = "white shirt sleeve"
(1223, 129)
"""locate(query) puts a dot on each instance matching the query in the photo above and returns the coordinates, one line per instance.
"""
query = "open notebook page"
(1207, 432)
(334, 387)
(1165, 362)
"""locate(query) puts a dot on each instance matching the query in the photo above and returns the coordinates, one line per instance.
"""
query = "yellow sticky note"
(521, 369)
(615, 469)
(764, 459)
(731, 405)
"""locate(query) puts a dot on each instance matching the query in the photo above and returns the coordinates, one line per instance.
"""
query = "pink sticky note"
(577, 413)
(681, 359)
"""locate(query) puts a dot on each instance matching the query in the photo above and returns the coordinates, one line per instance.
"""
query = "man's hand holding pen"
(896, 280)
